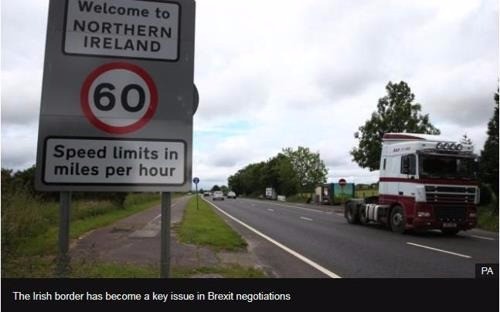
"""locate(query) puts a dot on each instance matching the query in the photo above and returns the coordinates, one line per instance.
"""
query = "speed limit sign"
(117, 106)
(119, 97)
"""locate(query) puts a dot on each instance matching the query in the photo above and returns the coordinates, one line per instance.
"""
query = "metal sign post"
(64, 217)
(342, 183)
(165, 235)
(196, 180)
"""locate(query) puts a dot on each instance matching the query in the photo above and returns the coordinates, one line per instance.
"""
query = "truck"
(271, 193)
(426, 182)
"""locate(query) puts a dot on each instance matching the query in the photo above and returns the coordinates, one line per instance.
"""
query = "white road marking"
(305, 218)
(297, 207)
(159, 216)
(339, 214)
(440, 250)
(290, 251)
(482, 237)
(151, 229)
(270, 209)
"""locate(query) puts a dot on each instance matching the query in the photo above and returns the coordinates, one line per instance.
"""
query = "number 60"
(103, 91)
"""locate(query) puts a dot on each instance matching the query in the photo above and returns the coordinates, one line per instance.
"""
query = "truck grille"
(450, 194)
(450, 202)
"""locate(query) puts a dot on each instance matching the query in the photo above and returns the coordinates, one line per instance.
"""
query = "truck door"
(406, 189)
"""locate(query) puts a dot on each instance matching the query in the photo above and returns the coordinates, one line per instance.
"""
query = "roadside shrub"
(485, 194)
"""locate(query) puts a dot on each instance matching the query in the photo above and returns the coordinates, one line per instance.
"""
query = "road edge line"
(285, 248)
(482, 237)
(440, 250)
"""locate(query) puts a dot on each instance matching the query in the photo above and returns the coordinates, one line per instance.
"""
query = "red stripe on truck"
(430, 181)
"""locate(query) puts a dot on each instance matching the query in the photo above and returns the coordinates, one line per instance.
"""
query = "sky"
(288, 73)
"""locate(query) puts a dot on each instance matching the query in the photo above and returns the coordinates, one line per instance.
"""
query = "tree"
(465, 139)
(281, 175)
(488, 161)
(249, 180)
(308, 166)
(215, 188)
(224, 189)
(396, 112)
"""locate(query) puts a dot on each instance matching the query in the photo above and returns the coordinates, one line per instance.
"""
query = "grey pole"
(196, 196)
(165, 235)
(64, 216)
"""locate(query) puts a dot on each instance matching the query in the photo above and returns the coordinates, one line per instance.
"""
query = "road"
(320, 238)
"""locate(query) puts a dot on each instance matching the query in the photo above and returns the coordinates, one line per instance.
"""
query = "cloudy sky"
(287, 73)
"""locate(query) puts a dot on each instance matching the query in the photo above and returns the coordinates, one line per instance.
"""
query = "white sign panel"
(137, 29)
(119, 97)
(114, 161)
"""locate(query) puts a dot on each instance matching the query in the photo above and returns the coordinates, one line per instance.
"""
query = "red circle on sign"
(342, 182)
(84, 98)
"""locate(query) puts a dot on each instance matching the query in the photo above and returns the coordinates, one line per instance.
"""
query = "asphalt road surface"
(320, 238)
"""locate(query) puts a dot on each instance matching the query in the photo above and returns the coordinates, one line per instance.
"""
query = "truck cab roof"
(410, 143)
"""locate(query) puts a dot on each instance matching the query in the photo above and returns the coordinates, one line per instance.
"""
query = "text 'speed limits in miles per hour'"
(91, 161)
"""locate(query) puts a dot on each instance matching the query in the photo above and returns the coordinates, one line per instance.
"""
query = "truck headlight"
(477, 196)
(423, 214)
(420, 194)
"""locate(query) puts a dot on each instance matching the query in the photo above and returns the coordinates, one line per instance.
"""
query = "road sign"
(117, 28)
(342, 182)
(196, 180)
(119, 97)
(117, 101)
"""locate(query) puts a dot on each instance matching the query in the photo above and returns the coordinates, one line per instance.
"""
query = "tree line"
(289, 172)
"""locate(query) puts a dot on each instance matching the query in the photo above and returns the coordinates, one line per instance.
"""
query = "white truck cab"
(426, 182)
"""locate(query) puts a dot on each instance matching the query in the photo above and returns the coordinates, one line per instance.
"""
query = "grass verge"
(33, 254)
(487, 219)
(46, 243)
(202, 226)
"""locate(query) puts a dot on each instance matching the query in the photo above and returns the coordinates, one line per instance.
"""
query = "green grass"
(487, 220)
(46, 243)
(204, 227)
(366, 193)
(298, 198)
(30, 229)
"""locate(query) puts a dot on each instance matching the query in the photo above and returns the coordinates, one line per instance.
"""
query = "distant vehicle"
(231, 194)
(426, 182)
(206, 194)
(271, 193)
(218, 195)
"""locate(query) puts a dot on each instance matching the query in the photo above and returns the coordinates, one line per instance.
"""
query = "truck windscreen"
(446, 166)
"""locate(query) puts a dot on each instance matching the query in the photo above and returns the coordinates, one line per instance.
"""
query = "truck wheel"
(362, 216)
(351, 213)
(397, 221)
(450, 232)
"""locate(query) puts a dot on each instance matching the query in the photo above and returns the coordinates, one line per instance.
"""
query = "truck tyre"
(363, 219)
(397, 221)
(351, 213)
